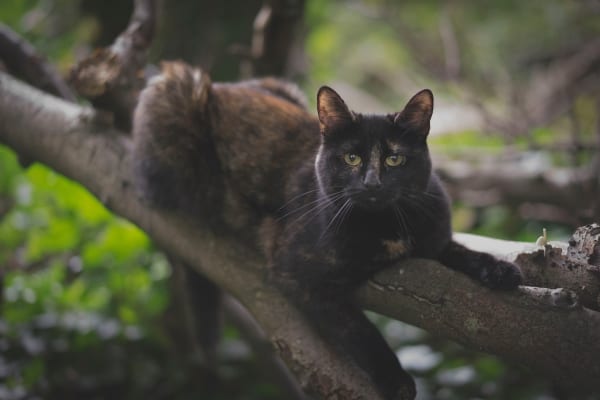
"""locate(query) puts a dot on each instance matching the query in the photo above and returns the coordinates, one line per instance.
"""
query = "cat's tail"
(174, 157)
(175, 167)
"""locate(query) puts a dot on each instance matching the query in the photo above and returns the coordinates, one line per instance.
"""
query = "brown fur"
(210, 148)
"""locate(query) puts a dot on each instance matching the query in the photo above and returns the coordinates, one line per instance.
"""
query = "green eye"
(352, 159)
(395, 160)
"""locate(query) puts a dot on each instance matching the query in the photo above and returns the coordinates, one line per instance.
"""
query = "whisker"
(297, 197)
(401, 219)
(339, 212)
(427, 210)
(344, 215)
(322, 205)
(422, 194)
(309, 204)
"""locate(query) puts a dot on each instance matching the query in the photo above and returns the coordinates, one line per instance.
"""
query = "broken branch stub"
(575, 268)
(584, 245)
(112, 77)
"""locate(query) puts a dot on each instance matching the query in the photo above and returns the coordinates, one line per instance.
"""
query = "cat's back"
(263, 134)
(199, 145)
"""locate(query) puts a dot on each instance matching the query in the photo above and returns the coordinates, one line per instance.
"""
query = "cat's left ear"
(332, 110)
(417, 112)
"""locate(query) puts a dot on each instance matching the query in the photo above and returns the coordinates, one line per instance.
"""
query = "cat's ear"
(332, 109)
(417, 112)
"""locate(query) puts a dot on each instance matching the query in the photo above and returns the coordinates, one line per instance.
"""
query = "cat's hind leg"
(343, 325)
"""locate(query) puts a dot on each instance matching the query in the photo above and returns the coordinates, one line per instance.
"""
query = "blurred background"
(87, 310)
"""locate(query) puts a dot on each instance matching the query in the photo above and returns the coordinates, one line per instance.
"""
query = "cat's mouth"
(374, 200)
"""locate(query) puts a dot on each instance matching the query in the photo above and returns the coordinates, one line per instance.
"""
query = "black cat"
(369, 201)
(333, 208)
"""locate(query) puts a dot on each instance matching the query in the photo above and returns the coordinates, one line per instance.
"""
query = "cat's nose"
(371, 180)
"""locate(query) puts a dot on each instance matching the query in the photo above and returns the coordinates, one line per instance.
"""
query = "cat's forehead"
(380, 129)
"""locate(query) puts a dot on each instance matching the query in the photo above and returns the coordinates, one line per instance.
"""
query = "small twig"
(261, 23)
(112, 77)
(23, 61)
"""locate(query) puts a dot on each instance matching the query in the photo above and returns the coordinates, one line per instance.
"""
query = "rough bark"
(571, 266)
(559, 338)
(529, 328)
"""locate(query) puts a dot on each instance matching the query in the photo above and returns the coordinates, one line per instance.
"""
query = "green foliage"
(54, 27)
(76, 277)
(84, 295)
(459, 141)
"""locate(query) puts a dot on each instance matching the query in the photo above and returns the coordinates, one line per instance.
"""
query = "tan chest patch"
(329, 258)
(395, 248)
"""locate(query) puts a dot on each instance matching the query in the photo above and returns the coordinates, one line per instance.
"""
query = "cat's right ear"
(332, 110)
(417, 112)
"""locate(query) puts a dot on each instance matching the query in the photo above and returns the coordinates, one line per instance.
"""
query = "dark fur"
(326, 226)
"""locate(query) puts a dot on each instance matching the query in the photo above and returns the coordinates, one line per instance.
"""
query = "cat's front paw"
(501, 275)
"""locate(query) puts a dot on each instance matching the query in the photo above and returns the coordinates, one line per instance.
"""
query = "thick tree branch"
(530, 328)
(559, 338)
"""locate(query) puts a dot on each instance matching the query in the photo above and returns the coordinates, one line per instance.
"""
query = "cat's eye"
(395, 160)
(352, 159)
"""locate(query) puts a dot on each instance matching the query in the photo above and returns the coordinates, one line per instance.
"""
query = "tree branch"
(253, 332)
(525, 327)
(23, 60)
(514, 180)
(275, 38)
(112, 77)
(560, 339)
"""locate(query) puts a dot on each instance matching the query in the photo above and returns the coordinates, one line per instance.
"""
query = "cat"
(334, 199)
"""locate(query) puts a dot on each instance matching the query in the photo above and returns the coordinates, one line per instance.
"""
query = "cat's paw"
(501, 275)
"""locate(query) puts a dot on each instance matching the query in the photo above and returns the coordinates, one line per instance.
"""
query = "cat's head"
(374, 160)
